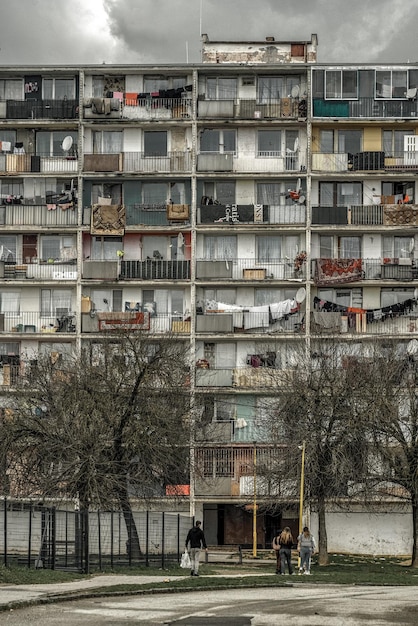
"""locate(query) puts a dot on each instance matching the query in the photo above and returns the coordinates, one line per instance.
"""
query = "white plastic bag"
(185, 562)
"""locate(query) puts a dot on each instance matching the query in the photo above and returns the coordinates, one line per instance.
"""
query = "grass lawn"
(343, 569)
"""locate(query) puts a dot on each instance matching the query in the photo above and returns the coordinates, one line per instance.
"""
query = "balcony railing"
(248, 321)
(367, 215)
(242, 377)
(252, 162)
(249, 269)
(137, 162)
(156, 215)
(368, 323)
(44, 163)
(365, 107)
(221, 214)
(53, 269)
(339, 271)
(364, 161)
(154, 269)
(37, 215)
(39, 109)
(138, 108)
(144, 321)
(251, 109)
(29, 322)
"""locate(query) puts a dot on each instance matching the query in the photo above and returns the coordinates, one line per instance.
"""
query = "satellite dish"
(295, 91)
(67, 143)
(412, 347)
(301, 295)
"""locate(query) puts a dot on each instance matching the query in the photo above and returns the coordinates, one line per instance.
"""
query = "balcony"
(157, 214)
(138, 162)
(365, 108)
(249, 270)
(364, 161)
(154, 269)
(51, 270)
(39, 109)
(241, 377)
(138, 108)
(249, 320)
(226, 215)
(341, 271)
(251, 162)
(389, 321)
(45, 164)
(146, 321)
(30, 322)
(39, 215)
(367, 215)
(288, 108)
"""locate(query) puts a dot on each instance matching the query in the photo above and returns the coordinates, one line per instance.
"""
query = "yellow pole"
(255, 503)
(301, 494)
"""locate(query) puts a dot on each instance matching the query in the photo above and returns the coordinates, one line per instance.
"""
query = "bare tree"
(393, 428)
(102, 428)
(319, 403)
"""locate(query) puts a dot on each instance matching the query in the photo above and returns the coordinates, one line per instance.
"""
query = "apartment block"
(249, 204)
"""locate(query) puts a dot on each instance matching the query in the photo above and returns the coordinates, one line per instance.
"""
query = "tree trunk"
(133, 546)
(323, 558)
(414, 560)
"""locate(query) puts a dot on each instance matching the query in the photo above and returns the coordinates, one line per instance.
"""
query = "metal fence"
(37, 536)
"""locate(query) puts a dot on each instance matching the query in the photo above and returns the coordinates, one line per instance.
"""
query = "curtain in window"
(50, 247)
(11, 90)
(107, 142)
(269, 248)
(225, 355)
(53, 299)
(10, 302)
(269, 88)
(219, 248)
(269, 193)
(350, 248)
(7, 248)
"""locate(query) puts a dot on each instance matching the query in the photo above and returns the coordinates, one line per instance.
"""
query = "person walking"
(286, 543)
(275, 544)
(195, 541)
(306, 548)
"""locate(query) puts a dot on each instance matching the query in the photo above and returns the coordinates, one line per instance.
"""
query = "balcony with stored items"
(145, 319)
(252, 109)
(367, 215)
(38, 215)
(138, 162)
(219, 215)
(147, 214)
(394, 320)
(61, 321)
(339, 271)
(365, 161)
(257, 377)
(245, 269)
(41, 162)
(366, 108)
(38, 269)
(223, 470)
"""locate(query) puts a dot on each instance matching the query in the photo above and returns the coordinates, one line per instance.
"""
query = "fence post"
(162, 539)
(30, 534)
(111, 539)
(53, 537)
(178, 537)
(147, 540)
(5, 532)
(99, 540)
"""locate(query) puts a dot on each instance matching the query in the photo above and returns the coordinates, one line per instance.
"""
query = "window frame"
(339, 93)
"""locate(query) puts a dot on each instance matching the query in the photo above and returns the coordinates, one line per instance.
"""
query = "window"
(55, 302)
(57, 247)
(221, 247)
(107, 299)
(342, 297)
(340, 194)
(397, 247)
(11, 187)
(340, 84)
(275, 87)
(274, 194)
(218, 88)
(9, 136)
(107, 190)
(219, 141)
(272, 247)
(391, 84)
(394, 142)
(8, 248)
(10, 302)
(276, 142)
(388, 296)
(267, 296)
(58, 88)
(342, 141)
(228, 296)
(222, 191)
(105, 248)
(156, 83)
(49, 143)
(155, 143)
(349, 247)
(11, 89)
(107, 141)
(399, 189)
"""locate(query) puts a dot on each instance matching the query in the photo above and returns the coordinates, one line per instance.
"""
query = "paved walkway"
(15, 595)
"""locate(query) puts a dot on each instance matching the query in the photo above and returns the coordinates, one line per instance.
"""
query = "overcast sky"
(168, 31)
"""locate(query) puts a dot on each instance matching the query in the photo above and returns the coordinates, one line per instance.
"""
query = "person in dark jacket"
(195, 541)
(286, 543)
